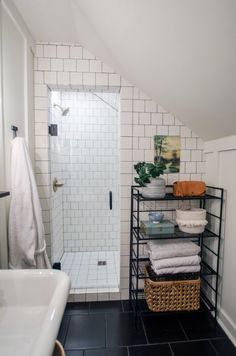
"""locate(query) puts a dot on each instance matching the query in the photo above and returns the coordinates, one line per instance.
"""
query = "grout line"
(127, 349)
(106, 337)
(171, 350)
(213, 347)
(182, 328)
(145, 333)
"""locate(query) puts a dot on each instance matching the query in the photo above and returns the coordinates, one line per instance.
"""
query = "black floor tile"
(200, 325)
(142, 305)
(193, 348)
(74, 353)
(86, 331)
(123, 329)
(107, 352)
(63, 329)
(224, 347)
(162, 328)
(150, 350)
(77, 308)
(108, 307)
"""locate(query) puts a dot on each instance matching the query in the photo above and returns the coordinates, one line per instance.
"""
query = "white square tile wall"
(90, 171)
(140, 118)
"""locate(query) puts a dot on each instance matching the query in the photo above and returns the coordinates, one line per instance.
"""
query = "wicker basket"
(172, 295)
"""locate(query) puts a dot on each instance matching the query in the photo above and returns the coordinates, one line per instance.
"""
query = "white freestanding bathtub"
(32, 303)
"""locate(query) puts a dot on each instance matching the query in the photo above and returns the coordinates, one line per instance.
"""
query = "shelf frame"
(209, 275)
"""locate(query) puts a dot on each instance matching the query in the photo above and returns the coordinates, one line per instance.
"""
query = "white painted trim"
(227, 325)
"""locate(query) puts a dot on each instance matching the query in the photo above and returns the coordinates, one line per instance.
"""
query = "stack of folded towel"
(174, 256)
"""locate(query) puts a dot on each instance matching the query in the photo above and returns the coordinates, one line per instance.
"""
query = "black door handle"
(110, 200)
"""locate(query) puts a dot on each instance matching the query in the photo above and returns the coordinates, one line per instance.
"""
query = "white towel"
(176, 270)
(176, 262)
(168, 248)
(27, 247)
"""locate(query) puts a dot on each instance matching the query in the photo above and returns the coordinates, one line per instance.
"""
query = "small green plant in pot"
(148, 177)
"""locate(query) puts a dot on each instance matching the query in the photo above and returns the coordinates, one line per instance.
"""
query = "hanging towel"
(171, 248)
(27, 247)
(176, 262)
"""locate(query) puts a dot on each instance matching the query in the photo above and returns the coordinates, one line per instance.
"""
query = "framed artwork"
(167, 151)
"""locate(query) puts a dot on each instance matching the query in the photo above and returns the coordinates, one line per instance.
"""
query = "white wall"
(221, 171)
(66, 66)
(16, 98)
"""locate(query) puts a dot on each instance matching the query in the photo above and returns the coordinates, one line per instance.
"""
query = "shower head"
(64, 112)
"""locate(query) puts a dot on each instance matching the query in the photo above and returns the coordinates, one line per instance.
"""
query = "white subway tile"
(144, 118)
(150, 106)
(101, 79)
(174, 131)
(63, 51)
(38, 77)
(138, 105)
(40, 103)
(39, 50)
(40, 90)
(156, 119)
(95, 66)
(82, 65)
(49, 51)
(168, 119)
(126, 105)
(76, 78)
(57, 64)
(89, 79)
(76, 52)
(144, 142)
(150, 130)
(196, 155)
(185, 131)
(69, 65)
(63, 78)
(114, 79)
(50, 78)
(126, 130)
(126, 93)
(190, 167)
(43, 64)
(138, 130)
(41, 116)
(191, 143)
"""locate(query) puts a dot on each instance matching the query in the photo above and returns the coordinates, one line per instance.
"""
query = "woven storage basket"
(172, 295)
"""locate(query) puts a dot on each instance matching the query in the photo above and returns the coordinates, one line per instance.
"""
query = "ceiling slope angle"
(180, 53)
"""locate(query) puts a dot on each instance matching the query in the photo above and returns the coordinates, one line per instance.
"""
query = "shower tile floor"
(85, 274)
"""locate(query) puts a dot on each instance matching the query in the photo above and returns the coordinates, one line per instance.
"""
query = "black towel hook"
(14, 129)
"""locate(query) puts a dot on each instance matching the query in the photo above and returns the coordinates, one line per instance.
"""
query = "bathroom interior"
(117, 178)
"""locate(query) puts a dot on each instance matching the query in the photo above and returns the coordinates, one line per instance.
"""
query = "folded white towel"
(160, 249)
(175, 262)
(176, 270)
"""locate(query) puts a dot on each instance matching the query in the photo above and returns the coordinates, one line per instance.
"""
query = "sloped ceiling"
(180, 53)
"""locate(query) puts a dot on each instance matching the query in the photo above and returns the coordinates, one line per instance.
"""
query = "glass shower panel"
(90, 172)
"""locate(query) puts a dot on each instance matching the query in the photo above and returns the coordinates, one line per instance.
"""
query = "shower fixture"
(64, 112)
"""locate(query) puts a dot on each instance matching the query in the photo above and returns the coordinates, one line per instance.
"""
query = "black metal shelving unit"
(209, 241)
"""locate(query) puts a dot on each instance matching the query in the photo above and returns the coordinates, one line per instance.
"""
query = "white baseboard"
(227, 325)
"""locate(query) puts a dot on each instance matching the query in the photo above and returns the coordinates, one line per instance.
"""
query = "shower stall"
(84, 156)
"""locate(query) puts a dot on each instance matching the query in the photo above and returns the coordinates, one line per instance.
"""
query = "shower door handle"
(110, 200)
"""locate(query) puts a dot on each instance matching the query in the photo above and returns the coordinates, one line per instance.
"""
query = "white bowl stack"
(192, 221)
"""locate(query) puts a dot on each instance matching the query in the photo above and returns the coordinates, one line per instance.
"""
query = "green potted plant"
(149, 178)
